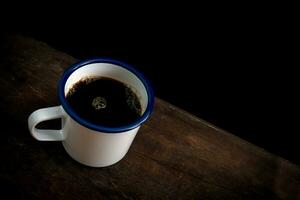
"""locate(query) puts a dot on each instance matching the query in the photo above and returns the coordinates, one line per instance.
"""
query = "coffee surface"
(104, 101)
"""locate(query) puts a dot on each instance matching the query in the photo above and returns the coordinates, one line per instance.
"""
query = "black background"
(234, 70)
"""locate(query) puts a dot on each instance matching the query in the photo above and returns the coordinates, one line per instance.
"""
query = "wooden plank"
(174, 156)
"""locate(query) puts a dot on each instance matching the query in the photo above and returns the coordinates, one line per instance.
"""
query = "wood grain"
(174, 156)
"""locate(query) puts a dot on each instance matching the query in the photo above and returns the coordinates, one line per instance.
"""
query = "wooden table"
(174, 156)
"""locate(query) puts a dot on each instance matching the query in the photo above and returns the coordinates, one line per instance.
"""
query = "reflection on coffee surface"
(104, 101)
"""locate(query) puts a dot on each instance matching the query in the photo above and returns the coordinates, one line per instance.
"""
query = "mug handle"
(45, 114)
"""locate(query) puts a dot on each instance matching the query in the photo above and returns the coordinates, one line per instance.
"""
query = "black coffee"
(104, 101)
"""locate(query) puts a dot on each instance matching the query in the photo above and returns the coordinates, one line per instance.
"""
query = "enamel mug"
(92, 144)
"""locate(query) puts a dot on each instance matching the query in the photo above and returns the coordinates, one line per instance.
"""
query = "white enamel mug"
(92, 144)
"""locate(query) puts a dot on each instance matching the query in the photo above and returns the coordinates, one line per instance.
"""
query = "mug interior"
(112, 69)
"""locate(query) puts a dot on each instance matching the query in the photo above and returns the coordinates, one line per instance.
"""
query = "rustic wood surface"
(174, 156)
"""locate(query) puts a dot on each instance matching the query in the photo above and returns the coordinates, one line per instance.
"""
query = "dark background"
(235, 71)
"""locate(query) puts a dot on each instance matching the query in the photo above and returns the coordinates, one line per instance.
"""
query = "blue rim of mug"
(76, 117)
